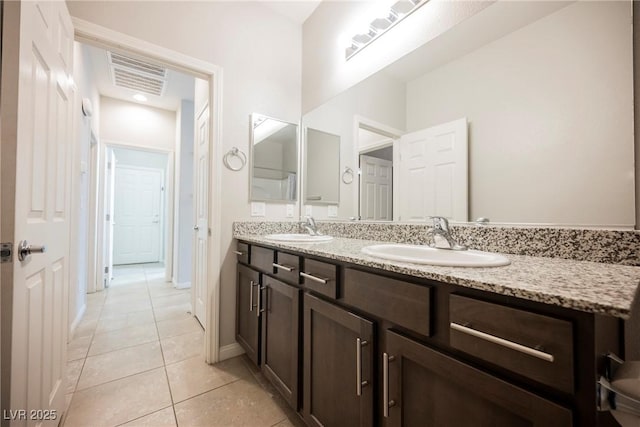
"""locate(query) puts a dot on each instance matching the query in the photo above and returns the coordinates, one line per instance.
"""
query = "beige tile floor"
(136, 360)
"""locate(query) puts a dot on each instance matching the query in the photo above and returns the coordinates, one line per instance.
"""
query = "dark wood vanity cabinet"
(338, 366)
(351, 346)
(280, 337)
(248, 312)
(424, 387)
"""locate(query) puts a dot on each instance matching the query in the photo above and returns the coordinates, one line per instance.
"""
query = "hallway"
(136, 359)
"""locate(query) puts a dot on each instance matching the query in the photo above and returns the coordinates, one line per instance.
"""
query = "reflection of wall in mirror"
(380, 98)
(275, 165)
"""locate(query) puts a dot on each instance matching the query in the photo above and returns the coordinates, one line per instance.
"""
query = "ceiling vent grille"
(137, 75)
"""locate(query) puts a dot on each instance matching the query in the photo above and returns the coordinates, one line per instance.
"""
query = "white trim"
(76, 321)
(181, 285)
(97, 35)
(230, 350)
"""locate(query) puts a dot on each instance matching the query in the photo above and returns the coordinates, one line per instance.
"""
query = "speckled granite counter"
(587, 286)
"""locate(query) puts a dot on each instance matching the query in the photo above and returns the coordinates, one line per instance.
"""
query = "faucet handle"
(440, 223)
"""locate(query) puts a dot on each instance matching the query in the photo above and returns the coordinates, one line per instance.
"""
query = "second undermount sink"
(298, 238)
(419, 254)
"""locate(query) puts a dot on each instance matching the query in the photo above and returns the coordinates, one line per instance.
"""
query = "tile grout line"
(164, 361)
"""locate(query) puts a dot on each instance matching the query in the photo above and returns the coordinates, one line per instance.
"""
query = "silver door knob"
(25, 249)
(195, 227)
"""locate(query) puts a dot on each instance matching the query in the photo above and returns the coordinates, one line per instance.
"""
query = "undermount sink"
(444, 257)
(298, 238)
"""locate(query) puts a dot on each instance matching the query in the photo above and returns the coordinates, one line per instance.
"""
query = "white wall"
(260, 52)
(184, 224)
(144, 159)
(81, 181)
(326, 73)
(136, 124)
(551, 140)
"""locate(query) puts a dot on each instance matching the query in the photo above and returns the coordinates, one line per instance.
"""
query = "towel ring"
(234, 152)
(347, 175)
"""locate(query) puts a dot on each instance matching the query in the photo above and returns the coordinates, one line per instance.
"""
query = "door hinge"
(107, 217)
(106, 270)
(6, 252)
(108, 165)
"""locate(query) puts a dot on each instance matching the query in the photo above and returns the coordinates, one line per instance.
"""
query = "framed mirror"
(273, 159)
(322, 167)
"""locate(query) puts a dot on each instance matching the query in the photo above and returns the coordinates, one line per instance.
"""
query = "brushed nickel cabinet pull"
(314, 278)
(238, 253)
(386, 403)
(359, 383)
(251, 285)
(501, 341)
(283, 267)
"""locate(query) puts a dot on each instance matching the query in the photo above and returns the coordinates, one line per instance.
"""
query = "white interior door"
(37, 141)
(433, 173)
(110, 181)
(376, 195)
(137, 235)
(201, 211)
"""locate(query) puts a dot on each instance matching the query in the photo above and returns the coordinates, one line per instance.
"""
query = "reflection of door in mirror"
(376, 183)
(433, 173)
(274, 160)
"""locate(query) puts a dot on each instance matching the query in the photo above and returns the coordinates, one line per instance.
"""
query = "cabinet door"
(338, 366)
(423, 387)
(248, 312)
(280, 331)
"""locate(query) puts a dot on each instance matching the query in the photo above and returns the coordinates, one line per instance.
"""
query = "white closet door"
(376, 196)
(434, 173)
(137, 236)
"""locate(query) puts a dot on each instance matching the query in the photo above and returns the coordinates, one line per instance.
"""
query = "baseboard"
(231, 350)
(183, 285)
(76, 321)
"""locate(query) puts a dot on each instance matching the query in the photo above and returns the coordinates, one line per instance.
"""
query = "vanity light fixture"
(140, 97)
(380, 25)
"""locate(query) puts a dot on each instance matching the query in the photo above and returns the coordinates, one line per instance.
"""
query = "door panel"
(430, 388)
(138, 204)
(433, 173)
(331, 366)
(376, 195)
(37, 139)
(201, 221)
(280, 330)
(248, 314)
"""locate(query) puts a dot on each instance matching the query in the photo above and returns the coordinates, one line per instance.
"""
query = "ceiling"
(296, 10)
(178, 86)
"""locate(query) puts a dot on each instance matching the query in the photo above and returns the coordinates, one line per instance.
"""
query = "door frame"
(97, 35)
(361, 122)
(167, 208)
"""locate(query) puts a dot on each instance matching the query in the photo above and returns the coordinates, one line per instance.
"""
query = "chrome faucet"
(310, 226)
(442, 238)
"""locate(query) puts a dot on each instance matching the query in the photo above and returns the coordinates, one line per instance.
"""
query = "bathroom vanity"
(351, 340)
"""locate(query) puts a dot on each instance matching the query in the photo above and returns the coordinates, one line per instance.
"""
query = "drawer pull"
(505, 343)
(238, 253)
(359, 383)
(314, 278)
(283, 267)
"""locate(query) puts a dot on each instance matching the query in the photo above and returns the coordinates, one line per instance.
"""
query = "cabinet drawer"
(287, 267)
(321, 277)
(536, 346)
(262, 258)
(405, 304)
(243, 252)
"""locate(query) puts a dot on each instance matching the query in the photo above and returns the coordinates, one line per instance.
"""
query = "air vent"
(137, 75)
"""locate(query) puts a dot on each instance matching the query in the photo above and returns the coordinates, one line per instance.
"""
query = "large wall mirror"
(521, 114)
(274, 160)
(322, 167)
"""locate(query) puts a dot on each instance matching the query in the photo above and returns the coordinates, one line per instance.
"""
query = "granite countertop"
(593, 287)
